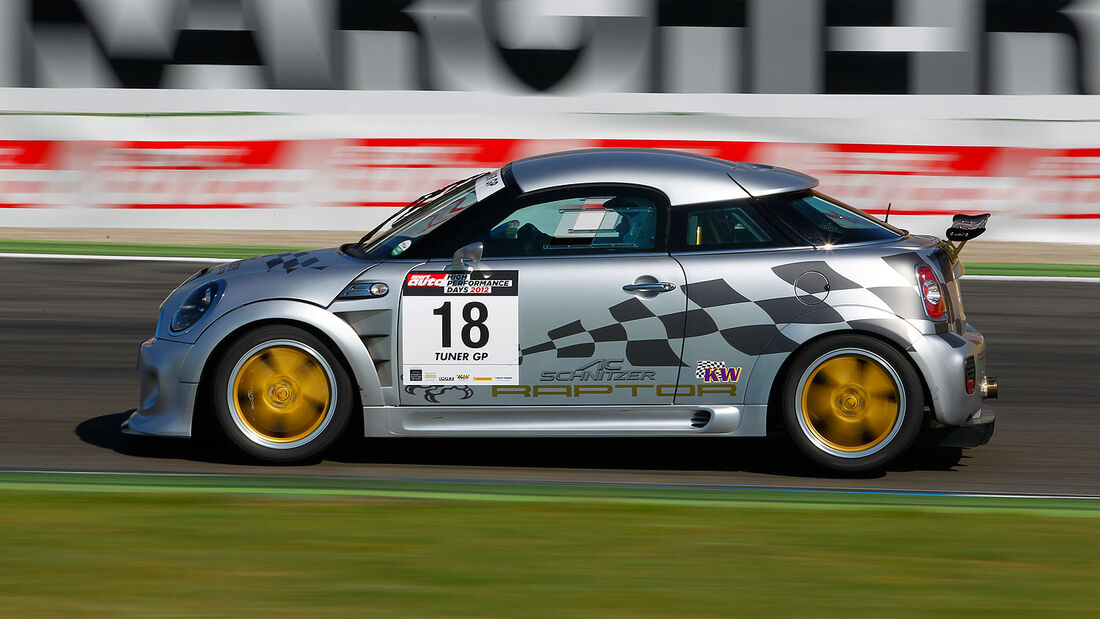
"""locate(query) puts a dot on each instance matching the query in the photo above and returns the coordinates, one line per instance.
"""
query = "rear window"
(721, 226)
(821, 220)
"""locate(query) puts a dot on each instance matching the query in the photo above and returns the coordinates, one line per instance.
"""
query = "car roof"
(686, 178)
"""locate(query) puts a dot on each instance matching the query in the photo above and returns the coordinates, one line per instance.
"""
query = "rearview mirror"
(466, 257)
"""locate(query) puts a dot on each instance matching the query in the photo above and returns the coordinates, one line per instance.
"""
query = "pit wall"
(316, 160)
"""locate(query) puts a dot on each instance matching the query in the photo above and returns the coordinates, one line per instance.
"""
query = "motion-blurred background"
(259, 125)
(305, 121)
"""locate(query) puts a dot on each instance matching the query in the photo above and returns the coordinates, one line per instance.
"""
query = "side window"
(723, 226)
(593, 223)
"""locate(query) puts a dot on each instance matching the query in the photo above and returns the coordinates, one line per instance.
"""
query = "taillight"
(931, 293)
(969, 374)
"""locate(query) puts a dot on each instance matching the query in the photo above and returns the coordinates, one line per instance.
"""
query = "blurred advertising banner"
(353, 183)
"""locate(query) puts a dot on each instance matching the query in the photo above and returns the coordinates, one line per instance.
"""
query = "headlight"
(196, 305)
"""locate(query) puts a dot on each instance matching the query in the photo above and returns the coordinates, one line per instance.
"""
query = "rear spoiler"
(963, 228)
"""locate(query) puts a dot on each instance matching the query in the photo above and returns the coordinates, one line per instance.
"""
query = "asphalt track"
(69, 331)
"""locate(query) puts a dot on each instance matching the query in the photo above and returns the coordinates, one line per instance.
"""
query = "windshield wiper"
(422, 200)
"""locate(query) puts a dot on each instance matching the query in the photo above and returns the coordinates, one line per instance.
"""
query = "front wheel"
(281, 395)
(852, 403)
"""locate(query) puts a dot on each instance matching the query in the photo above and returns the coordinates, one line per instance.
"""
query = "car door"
(574, 301)
(728, 251)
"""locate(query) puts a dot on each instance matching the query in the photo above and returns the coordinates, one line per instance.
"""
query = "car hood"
(316, 277)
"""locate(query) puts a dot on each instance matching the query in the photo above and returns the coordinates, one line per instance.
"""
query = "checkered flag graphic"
(701, 367)
(292, 261)
(758, 325)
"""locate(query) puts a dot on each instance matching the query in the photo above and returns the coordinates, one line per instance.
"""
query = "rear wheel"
(852, 403)
(281, 395)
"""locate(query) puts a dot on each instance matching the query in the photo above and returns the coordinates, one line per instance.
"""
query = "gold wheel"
(851, 402)
(281, 392)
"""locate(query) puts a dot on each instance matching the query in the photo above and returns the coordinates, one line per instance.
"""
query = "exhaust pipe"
(989, 387)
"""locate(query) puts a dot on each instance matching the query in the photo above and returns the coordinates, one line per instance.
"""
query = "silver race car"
(589, 293)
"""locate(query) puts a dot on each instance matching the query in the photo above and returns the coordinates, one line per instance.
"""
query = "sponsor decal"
(401, 247)
(488, 184)
(419, 280)
(457, 324)
(493, 283)
(483, 379)
(416, 375)
(433, 393)
(716, 372)
(601, 370)
(577, 391)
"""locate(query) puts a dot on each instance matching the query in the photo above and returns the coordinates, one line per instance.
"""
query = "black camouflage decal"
(577, 351)
(954, 339)
(572, 328)
(902, 300)
(432, 393)
(790, 272)
(890, 329)
(906, 264)
(713, 293)
(946, 268)
(785, 310)
(758, 339)
(652, 353)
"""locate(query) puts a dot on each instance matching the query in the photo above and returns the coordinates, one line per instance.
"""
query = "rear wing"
(963, 228)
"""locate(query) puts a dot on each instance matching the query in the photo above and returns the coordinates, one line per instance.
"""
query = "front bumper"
(167, 405)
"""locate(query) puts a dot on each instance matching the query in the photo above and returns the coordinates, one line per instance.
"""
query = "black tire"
(281, 395)
(838, 408)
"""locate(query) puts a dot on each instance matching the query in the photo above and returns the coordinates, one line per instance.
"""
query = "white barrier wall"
(316, 160)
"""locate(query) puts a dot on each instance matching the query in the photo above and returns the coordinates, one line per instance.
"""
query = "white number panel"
(460, 328)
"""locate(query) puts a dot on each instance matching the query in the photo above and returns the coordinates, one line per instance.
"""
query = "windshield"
(407, 226)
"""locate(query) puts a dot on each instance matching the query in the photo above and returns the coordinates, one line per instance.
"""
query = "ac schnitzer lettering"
(600, 369)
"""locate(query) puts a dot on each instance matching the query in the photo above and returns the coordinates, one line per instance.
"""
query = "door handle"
(650, 287)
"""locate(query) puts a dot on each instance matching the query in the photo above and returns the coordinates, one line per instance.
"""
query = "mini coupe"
(613, 292)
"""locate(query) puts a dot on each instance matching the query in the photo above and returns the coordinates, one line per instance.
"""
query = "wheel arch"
(774, 374)
(342, 340)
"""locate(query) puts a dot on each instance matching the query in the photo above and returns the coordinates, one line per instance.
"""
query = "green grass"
(197, 545)
(1047, 270)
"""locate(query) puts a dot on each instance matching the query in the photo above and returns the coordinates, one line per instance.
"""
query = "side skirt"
(519, 421)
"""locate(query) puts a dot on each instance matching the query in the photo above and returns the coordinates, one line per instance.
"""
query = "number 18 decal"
(460, 328)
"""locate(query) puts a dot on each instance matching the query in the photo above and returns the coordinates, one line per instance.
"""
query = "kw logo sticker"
(716, 372)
